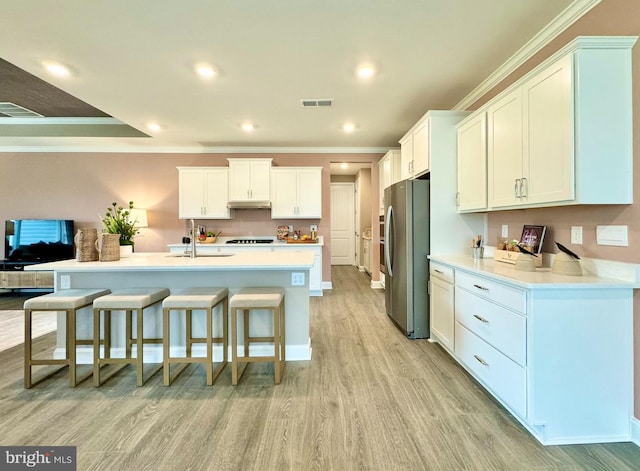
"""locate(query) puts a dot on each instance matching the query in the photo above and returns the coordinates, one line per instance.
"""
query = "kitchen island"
(174, 271)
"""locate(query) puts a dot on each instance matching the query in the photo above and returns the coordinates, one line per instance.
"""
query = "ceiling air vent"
(14, 111)
(316, 102)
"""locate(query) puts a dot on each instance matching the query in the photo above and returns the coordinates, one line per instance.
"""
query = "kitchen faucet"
(193, 239)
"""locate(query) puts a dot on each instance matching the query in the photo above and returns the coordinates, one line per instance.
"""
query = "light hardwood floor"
(369, 399)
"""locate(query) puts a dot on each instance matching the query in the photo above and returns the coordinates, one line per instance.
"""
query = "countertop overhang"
(165, 261)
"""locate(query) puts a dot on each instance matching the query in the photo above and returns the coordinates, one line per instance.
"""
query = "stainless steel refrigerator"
(406, 249)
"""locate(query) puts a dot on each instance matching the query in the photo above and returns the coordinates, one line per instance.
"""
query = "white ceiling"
(134, 60)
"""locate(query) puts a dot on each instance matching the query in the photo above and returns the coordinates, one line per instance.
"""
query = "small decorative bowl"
(208, 240)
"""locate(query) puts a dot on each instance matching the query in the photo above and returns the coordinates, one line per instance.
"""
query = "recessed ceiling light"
(344, 165)
(205, 70)
(248, 127)
(348, 127)
(154, 127)
(57, 69)
(366, 71)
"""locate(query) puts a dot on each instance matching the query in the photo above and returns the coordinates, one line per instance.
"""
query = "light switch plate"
(576, 234)
(612, 235)
(297, 279)
(65, 281)
(505, 230)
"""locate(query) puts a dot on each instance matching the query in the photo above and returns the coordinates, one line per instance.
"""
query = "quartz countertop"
(542, 278)
(165, 261)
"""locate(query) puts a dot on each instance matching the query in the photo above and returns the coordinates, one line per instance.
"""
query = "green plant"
(117, 220)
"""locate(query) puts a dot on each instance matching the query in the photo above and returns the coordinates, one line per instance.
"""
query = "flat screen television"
(29, 241)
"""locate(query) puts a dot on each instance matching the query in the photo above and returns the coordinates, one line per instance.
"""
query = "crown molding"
(195, 150)
(565, 19)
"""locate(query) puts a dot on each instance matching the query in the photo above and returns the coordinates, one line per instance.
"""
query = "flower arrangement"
(117, 220)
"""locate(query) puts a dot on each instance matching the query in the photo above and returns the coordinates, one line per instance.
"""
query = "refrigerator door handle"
(388, 240)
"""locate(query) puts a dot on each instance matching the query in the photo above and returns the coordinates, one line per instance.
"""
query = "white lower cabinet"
(556, 351)
(441, 302)
(503, 376)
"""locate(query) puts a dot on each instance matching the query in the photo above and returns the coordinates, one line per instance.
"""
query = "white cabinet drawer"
(498, 293)
(503, 329)
(503, 377)
(441, 271)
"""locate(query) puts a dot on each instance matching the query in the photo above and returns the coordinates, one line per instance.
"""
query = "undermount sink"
(199, 255)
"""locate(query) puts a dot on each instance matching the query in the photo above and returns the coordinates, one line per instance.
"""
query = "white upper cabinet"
(406, 156)
(472, 163)
(388, 174)
(202, 193)
(249, 179)
(415, 150)
(505, 176)
(563, 134)
(296, 192)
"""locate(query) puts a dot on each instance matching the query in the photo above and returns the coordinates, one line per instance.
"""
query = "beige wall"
(609, 18)
(80, 186)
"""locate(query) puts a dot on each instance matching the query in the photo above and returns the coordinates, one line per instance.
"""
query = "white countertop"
(542, 278)
(164, 261)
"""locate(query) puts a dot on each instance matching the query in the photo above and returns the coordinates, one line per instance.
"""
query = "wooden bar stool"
(191, 299)
(69, 301)
(247, 300)
(129, 300)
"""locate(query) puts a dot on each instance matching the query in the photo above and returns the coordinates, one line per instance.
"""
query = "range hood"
(249, 204)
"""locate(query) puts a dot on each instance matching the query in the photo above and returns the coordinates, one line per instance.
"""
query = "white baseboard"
(327, 285)
(376, 285)
(153, 353)
(635, 430)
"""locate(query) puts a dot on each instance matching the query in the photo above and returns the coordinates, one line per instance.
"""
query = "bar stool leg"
(27, 348)
(71, 346)
(166, 365)
(234, 346)
(276, 345)
(96, 347)
(209, 364)
(139, 348)
(225, 330)
(189, 331)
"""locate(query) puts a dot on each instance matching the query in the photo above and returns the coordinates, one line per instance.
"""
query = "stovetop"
(250, 241)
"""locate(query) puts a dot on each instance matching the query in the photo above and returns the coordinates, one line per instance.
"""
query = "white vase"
(126, 251)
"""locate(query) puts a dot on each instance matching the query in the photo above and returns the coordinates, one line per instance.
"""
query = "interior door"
(342, 224)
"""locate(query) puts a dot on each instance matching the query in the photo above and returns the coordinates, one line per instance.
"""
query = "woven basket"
(108, 246)
(85, 240)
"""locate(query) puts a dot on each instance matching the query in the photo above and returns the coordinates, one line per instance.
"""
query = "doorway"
(342, 223)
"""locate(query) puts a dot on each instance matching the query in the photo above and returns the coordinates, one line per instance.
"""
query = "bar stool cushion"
(131, 298)
(65, 299)
(248, 298)
(195, 298)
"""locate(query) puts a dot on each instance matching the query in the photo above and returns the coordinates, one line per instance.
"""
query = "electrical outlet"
(65, 282)
(505, 230)
(313, 227)
(290, 229)
(576, 235)
(297, 279)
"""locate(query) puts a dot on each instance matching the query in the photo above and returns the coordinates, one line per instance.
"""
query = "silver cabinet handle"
(479, 358)
(481, 287)
(523, 188)
(517, 188)
(480, 318)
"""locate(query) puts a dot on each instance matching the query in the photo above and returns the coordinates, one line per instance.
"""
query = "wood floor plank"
(369, 399)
